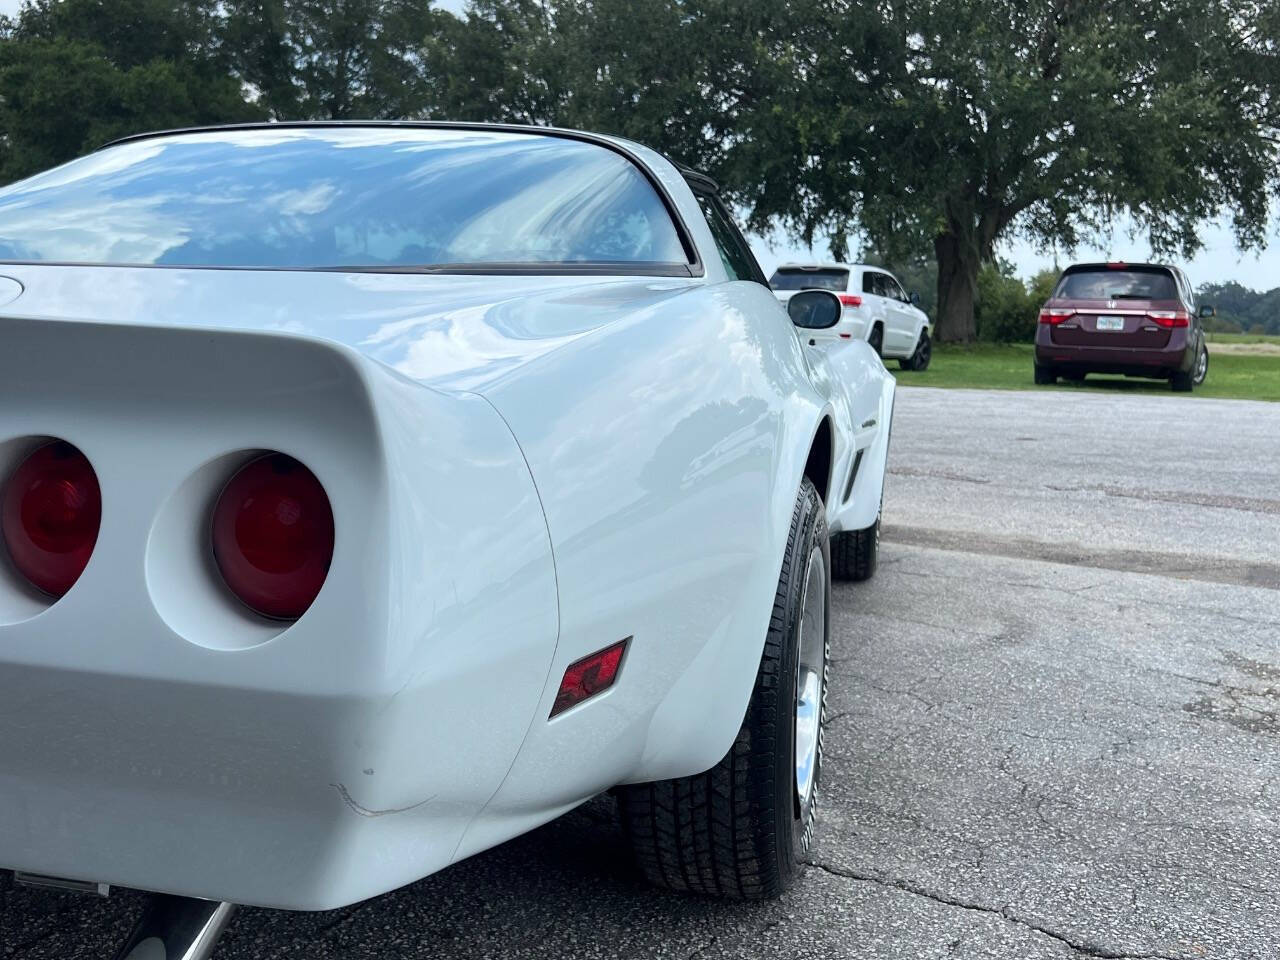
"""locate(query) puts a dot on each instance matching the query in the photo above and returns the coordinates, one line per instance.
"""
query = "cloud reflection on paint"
(340, 197)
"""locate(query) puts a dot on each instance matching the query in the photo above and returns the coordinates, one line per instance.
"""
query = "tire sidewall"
(923, 353)
(795, 823)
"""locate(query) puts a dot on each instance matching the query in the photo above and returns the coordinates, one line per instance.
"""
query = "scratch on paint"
(366, 812)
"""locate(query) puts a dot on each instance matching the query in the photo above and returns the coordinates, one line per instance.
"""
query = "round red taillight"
(50, 517)
(273, 536)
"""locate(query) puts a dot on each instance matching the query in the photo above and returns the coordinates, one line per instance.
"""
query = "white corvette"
(373, 494)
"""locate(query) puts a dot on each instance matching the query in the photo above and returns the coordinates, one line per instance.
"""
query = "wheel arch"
(819, 463)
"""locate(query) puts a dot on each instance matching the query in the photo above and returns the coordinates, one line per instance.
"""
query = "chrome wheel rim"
(1202, 364)
(810, 650)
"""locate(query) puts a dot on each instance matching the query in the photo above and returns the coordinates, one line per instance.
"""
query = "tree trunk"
(957, 288)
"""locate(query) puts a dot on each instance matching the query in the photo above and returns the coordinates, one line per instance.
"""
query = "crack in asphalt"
(1243, 573)
(937, 475)
(1182, 497)
(699, 951)
(1082, 947)
(1077, 591)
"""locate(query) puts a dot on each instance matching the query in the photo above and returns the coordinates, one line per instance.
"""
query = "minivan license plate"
(1111, 323)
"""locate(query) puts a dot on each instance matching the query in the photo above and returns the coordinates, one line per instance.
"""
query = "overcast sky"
(1218, 261)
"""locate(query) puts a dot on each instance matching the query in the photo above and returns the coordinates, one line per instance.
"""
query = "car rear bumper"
(154, 734)
(221, 794)
(1177, 355)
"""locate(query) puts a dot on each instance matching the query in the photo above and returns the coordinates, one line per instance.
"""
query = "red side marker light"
(51, 512)
(584, 678)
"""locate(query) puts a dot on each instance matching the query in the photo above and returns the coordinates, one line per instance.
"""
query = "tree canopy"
(75, 74)
(918, 129)
(1046, 118)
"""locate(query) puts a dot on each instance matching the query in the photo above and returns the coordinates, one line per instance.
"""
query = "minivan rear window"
(798, 278)
(1107, 284)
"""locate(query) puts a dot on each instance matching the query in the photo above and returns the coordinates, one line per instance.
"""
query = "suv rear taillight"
(273, 536)
(850, 299)
(1169, 318)
(1055, 317)
(50, 516)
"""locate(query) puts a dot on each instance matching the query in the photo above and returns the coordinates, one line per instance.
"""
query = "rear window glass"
(796, 278)
(1118, 285)
(341, 197)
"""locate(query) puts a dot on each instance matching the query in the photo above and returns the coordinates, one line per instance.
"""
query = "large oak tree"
(938, 125)
(977, 120)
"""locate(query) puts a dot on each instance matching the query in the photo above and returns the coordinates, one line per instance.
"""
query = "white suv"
(875, 308)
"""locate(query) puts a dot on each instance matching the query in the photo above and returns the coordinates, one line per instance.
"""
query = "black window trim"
(693, 267)
(897, 285)
(704, 186)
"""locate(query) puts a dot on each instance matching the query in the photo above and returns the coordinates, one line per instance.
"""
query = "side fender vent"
(853, 475)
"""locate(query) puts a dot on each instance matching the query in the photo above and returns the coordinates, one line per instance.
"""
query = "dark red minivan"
(1134, 319)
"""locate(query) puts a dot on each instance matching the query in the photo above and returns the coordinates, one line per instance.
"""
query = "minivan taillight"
(50, 516)
(273, 536)
(1055, 317)
(1169, 318)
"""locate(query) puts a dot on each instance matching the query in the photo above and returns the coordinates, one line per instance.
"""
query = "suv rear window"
(799, 278)
(1106, 284)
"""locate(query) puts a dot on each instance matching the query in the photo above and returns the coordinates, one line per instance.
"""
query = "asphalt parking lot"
(1053, 733)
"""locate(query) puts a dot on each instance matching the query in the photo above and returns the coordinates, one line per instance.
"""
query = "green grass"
(991, 366)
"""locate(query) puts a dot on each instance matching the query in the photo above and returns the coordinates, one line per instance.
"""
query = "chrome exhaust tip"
(177, 928)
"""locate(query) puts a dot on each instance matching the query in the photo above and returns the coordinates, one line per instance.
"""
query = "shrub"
(1005, 311)
(1221, 325)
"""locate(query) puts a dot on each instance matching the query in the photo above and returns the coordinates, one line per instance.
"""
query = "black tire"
(1045, 375)
(876, 339)
(919, 359)
(1201, 369)
(854, 555)
(740, 830)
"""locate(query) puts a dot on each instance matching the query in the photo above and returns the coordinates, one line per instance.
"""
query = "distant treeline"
(1241, 310)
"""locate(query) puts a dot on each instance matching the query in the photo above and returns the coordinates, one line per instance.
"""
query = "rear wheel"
(919, 359)
(1201, 369)
(741, 829)
(854, 555)
(1045, 375)
(877, 339)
